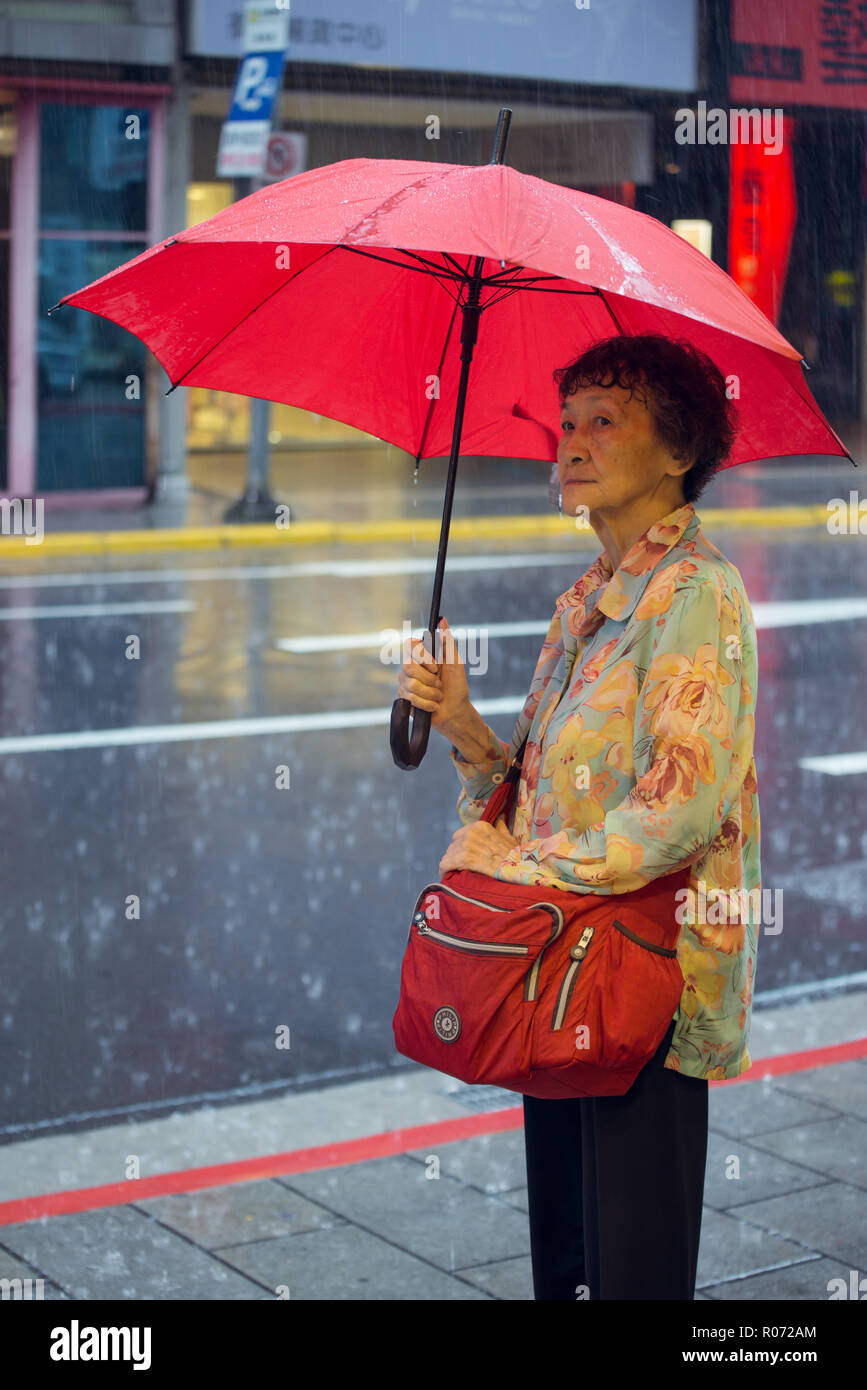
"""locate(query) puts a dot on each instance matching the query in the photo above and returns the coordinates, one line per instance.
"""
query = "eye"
(564, 423)
(605, 418)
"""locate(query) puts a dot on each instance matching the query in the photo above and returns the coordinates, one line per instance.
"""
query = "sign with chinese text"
(803, 52)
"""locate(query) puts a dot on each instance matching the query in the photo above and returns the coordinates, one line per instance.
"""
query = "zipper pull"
(579, 952)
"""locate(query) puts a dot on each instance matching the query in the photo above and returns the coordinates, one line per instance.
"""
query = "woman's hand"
(479, 846)
(442, 688)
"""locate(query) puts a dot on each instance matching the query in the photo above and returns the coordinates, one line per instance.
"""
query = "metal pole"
(256, 502)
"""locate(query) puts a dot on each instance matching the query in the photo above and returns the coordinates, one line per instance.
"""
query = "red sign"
(286, 156)
(762, 214)
(802, 52)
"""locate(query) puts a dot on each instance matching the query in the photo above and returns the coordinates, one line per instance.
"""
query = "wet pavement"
(425, 1215)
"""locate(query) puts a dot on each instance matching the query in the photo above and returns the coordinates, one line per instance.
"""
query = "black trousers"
(616, 1186)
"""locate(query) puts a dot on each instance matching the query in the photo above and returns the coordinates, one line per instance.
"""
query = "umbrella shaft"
(471, 312)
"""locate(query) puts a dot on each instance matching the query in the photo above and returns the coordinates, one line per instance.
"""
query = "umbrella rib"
(435, 270)
(461, 275)
(464, 274)
(438, 273)
(513, 289)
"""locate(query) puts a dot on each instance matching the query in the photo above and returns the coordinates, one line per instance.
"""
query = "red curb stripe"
(393, 1141)
(801, 1061)
(269, 1166)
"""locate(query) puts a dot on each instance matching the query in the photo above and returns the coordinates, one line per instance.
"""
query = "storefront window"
(90, 391)
(93, 168)
(7, 150)
(91, 373)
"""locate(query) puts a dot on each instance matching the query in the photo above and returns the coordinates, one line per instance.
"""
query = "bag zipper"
(497, 948)
(457, 943)
(577, 953)
(531, 984)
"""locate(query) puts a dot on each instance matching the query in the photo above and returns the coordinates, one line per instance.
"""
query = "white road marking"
(787, 993)
(836, 764)
(804, 612)
(793, 613)
(360, 640)
(226, 728)
(96, 610)
(309, 569)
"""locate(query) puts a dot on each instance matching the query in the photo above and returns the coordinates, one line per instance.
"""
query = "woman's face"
(609, 455)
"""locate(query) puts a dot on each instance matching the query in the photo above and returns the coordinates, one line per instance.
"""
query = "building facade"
(110, 119)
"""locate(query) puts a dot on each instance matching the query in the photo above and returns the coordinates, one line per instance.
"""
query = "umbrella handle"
(408, 749)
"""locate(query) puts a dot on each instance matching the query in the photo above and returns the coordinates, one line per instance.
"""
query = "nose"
(572, 447)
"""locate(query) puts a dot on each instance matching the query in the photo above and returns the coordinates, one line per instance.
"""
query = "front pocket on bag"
(485, 947)
(640, 941)
(577, 956)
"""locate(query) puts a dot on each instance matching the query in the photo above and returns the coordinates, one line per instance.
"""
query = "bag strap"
(500, 801)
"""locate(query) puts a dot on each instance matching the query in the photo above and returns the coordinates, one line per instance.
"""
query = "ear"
(678, 467)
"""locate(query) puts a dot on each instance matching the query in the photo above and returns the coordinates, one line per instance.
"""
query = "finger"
(424, 683)
(451, 655)
(419, 702)
(419, 653)
(414, 653)
(427, 689)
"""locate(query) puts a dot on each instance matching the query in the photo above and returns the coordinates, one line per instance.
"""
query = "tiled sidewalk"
(388, 1229)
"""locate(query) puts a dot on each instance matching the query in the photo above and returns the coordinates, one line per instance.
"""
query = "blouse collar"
(625, 585)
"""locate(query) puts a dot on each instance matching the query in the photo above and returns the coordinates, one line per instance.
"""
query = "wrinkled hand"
(480, 846)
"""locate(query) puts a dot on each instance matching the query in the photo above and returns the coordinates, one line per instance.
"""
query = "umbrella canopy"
(298, 294)
(344, 291)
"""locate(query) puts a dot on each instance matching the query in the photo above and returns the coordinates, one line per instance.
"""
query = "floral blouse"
(641, 720)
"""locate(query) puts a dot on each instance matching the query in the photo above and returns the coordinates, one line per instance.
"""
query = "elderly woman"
(639, 761)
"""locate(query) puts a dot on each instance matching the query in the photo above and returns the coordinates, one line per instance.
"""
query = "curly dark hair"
(682, 388)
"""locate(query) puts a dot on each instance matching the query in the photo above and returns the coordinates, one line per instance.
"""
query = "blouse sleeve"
(478, 779)
(694, 715)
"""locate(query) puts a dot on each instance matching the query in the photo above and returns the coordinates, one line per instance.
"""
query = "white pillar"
(171, 479)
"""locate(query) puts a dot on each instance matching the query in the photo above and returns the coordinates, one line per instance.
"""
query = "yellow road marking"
(341, 532)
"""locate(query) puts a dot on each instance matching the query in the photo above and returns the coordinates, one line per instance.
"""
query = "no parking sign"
(287, 155)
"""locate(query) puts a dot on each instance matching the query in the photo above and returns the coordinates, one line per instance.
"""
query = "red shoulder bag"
(543, 991)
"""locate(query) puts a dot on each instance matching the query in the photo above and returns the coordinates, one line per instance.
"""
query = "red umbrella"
(359, 290)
